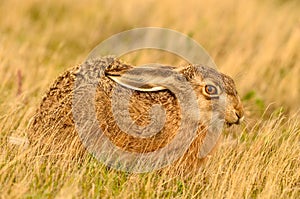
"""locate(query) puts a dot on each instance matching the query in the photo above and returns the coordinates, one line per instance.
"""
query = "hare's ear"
(132, 82)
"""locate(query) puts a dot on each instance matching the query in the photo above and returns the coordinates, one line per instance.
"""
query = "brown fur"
(53, 128)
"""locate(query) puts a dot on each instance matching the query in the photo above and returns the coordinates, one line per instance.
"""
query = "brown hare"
(53, 126)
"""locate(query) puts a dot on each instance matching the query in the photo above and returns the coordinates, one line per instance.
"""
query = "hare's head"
(216, 92)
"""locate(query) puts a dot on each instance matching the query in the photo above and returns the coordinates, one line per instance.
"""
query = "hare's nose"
(240, 116)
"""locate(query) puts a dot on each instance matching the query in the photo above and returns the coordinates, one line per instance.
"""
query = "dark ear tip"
(112, 73)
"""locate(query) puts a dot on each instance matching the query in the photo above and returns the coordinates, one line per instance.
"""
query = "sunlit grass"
(256, 42)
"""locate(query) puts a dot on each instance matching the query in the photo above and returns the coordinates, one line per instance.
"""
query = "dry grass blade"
(255, 41)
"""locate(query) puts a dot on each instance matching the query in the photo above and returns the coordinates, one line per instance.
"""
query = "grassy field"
(256, 42)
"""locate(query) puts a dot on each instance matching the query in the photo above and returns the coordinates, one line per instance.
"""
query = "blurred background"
(255, 42)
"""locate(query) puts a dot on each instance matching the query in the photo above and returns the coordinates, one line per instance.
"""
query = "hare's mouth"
(229, 124)
(237, 122)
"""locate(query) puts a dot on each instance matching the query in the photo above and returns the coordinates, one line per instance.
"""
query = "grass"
(256, 42)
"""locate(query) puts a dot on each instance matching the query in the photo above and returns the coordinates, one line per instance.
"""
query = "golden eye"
(211, 90)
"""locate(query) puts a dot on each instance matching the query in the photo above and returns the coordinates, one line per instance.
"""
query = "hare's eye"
(211, 90)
